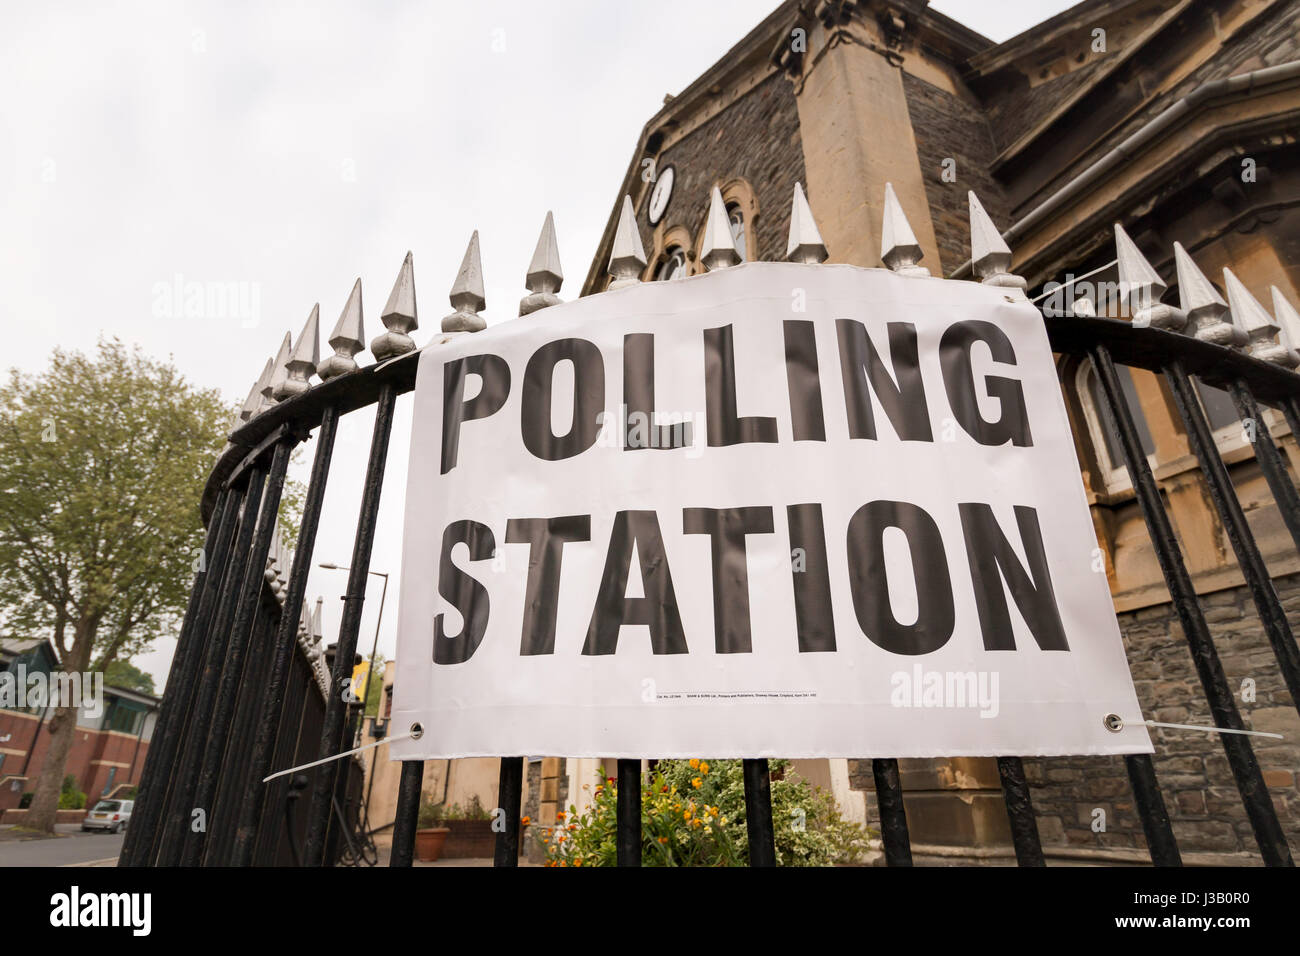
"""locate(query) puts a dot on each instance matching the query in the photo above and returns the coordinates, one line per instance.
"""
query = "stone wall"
(1197, 785)
(1193, 772)
(947, 127)
(756, 138)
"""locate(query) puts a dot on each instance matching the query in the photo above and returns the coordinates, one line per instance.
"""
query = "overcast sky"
(282, 150)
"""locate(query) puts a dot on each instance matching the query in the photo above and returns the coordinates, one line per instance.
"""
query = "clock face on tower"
(660, 195)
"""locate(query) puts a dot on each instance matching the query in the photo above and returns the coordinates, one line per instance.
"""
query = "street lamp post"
(370, 673)
(374, 648)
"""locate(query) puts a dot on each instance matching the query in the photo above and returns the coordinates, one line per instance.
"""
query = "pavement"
(69, 846)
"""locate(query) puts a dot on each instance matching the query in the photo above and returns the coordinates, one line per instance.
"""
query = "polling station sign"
(776, 510)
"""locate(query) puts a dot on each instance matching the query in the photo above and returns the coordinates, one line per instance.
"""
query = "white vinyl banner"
(776, 510)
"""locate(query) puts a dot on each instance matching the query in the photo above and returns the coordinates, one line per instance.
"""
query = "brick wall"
(948, 127)
(756, 138)
(92, 754)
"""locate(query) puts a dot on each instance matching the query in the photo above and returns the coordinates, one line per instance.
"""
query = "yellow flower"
(723, 821)
(695, 763)
(697, 783)
(704, 768)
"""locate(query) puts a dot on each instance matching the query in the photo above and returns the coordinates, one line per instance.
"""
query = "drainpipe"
(130, 774)
(1232, 86)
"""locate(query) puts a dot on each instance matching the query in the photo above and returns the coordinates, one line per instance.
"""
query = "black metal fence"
(241, 698)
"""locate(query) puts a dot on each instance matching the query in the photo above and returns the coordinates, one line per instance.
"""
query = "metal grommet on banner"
(1113, 722)
(417, 731)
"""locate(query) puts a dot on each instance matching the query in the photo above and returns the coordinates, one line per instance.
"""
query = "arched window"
(1110, 456)
(736, 217)
(672, 265)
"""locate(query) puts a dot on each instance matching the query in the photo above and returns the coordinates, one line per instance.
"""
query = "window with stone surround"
(1110, 457)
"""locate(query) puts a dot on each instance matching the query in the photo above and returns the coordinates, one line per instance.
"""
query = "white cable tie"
(416, 731)
(1066, 285)
(1213, 730)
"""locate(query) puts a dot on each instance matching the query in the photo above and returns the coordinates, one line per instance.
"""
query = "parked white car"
(110, 815)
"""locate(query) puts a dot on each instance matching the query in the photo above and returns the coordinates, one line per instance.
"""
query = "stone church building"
(1176, 119)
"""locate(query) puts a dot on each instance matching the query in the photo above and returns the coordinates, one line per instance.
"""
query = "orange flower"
(695, 763)
(525, 820)
(704, 767)
(663, 839)
(697, 783)
(561, 838)
(560, 816)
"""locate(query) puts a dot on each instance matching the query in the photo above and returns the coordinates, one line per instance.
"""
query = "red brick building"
(108, 747)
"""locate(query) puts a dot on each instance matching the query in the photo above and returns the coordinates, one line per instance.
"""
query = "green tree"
(102, 463)
(122, 673)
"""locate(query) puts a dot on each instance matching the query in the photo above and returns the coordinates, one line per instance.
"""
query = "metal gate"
(244, 694)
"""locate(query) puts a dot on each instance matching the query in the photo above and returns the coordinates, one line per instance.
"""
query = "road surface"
(70, 847)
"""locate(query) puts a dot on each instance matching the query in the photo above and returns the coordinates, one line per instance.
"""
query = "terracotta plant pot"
(428, 843)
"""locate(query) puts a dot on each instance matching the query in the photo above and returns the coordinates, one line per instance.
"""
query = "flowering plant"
(693, 814)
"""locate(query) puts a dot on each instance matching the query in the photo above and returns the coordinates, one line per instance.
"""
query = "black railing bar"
(510, 794)
(177, 690)
(179, 817)
(272, 440)
(1020, 812)
(1151, 808)
(350, 624)
(758, 813)
(1291, 412)
(628, 814)
(1151, 349)
(345, 393)
(342, 772)
(893, 816)
(286, 639)
(1224, 496)
(232, 773)
(1269, 457)
(1182, 593)
(241, 636)
(408, 811)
